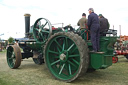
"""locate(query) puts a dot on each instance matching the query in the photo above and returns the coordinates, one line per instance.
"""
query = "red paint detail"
(114, 59)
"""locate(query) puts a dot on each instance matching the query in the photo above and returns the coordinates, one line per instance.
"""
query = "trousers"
(95, 37)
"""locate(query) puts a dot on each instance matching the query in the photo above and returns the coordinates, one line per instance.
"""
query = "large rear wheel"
(66, 56)
(14, 56)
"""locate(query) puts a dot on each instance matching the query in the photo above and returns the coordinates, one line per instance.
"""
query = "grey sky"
(59, 11)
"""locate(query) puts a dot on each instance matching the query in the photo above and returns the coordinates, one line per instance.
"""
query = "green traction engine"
(66, 53)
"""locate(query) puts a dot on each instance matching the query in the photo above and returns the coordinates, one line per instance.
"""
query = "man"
(82, 22)
(94, 27)
(104, 25)
(83, 26)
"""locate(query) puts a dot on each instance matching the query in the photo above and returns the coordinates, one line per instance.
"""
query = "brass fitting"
(27, 15)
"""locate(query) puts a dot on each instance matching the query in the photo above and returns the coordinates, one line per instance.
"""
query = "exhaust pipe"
(27, 25)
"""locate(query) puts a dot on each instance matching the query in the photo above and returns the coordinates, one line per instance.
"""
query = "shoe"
(93, 51)
(98, 50)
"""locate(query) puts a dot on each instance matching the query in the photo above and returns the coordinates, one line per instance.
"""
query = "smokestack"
(27, 24)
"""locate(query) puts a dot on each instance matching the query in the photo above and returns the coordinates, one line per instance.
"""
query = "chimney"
(27, 24)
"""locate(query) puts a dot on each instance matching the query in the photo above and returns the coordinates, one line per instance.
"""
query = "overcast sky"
(59, 11)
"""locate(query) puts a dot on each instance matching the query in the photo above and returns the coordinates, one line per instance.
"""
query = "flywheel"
(42, 30)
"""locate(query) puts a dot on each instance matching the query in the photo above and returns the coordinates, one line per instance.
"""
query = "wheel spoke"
(70, 72)
(53, 52)
(37, 29)
(61, 69)
(66, 42)
(58, 49)
(39, 23)
(56, 57)
(63, 45)
(58, 44)
(45, 37)
(10, 58)
(72, 63)
(76, 55)
(74, 49)
(45, 31)
(13, 57)
(70, 47)
(12, 64)
(14, 60)
(60, 65)
(42, 36)
(55, 62)
(39, 35)
(76, 61)
(44, 25)
(10, 52)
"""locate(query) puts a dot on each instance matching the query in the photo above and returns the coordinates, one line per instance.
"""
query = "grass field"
(32, 74)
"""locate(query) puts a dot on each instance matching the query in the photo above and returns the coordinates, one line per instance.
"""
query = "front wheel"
(14, 56)
(39, 60)
(66, 56)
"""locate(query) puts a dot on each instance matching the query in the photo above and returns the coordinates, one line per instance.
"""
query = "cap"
(91, 9)
(83, 14)
(69, 24)
(100, 14)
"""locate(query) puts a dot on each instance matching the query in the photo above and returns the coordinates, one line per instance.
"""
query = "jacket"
(92, 20)
(104, 25)
(82, 23)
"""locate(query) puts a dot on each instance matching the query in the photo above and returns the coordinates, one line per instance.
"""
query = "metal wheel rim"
(11, 57)
(67, 67)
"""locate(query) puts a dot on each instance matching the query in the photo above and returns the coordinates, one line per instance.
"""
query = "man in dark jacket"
(104, 25)
(94, 27)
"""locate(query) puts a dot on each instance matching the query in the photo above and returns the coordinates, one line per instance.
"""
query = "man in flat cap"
(94, 27)
(83, 25)
(104, 25)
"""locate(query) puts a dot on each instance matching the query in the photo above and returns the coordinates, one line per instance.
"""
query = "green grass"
(9, 82)
(32, 74)
(3, 51)
(7, 79)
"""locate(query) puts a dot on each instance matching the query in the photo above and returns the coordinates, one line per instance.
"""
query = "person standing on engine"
(83, 27)
(104, 25)
(94, 27)
(82, 22)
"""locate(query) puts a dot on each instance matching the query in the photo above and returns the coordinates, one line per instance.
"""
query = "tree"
(11, 40)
